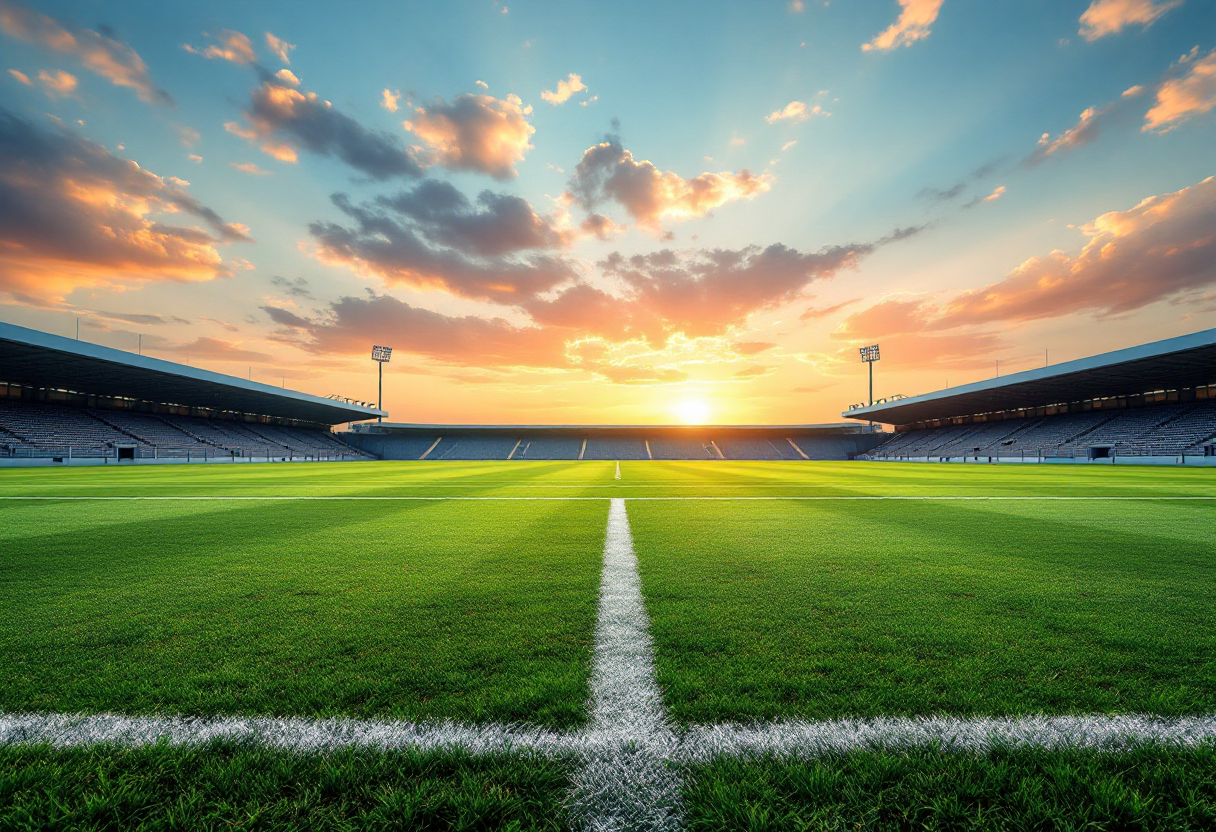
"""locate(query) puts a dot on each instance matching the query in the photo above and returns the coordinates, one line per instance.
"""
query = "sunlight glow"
(692, 411)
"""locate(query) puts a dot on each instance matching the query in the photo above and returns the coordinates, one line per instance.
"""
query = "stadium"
(634, 417)
(609, 626)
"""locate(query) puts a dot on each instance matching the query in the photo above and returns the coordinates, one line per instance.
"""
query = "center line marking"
(624, 781)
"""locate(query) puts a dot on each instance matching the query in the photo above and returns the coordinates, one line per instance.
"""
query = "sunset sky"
(610, 213)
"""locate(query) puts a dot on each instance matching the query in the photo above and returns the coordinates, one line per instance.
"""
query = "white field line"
(617, 477)
(697, 744)
(624, 781)
(701, 498)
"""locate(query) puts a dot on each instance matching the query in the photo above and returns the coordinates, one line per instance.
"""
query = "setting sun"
(692, 411)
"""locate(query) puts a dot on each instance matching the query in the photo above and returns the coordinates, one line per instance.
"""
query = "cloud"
(433, 238)
(565, 88)
(58, 84)
(194, 157)
(482, 84)
(704, 293)
(1080, 134)
(608, 172)
(915, 18)
(249, 168)
(499, 224)
(230, 46)
(100, 54)
(21, 77)
(389, 99)
(1190, 94)
(220, 350)
(188, 136)
(795, 7)
(475, 132)
(794, 112)
(1109, 17)
(813, 313)
(287, 77)
(280, 48)
(282, 118)
(351, 323)
(906, 329)
(137, 318)
(996, 194)
(1164, 248)
(296, 288)
(73, 214)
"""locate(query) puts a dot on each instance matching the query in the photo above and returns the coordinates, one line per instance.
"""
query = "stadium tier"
(1155, 402)
(63, 400)
(621, 442)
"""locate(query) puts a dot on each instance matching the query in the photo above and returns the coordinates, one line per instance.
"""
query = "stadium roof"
(39, 359)
(1172, 364)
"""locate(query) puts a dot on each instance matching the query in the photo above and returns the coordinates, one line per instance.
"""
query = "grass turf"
(832, 609)
(1144, 789)
(224, 786)
(467, 611)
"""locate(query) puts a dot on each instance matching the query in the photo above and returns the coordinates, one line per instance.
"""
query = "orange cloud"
(1181, 98)
(915, 18)
(249, 168)
(279, 47)
(114, 61)
(388, 100)
(231, 46)
(794, 112)
(607, 171)
(475, 133)
(21, 77)
(72, 214)
(287, 77)
(1109, 17)
(572, 84)
(58, 84)
(1081, 133)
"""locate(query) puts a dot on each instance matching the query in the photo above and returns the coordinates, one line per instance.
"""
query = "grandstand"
(65, 401)
(622, 442)
(1155, 403)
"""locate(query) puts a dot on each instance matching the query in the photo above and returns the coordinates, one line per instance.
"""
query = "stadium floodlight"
(381, 355)
(869, 355)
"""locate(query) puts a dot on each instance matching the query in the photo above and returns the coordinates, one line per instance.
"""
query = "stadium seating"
(65, 431)
(616, 448)
(54, 430)
(1155, 430)
(664, 448)
(491, 447)
(549, 447)
(757, 449)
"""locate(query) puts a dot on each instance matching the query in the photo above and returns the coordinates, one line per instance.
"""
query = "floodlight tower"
(381, 355)
(869, 355)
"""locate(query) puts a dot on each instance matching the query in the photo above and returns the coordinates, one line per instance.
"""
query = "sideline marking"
(762, 498)
(624, 781)
(617, 477)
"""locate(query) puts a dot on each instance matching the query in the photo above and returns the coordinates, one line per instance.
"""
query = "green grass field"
(360, 590)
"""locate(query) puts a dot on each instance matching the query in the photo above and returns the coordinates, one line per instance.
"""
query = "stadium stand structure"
(67, 401)
(1154, 403)
(621, 442)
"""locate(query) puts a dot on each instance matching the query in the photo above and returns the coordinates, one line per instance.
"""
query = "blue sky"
(786, 193)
